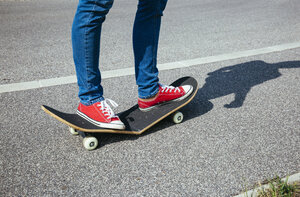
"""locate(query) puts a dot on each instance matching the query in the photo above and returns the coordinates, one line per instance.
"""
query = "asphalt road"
(243, 125)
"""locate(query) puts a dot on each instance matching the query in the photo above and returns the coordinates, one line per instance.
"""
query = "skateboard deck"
(136, 121)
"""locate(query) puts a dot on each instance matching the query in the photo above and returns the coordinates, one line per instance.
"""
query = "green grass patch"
(280, 188)
(277, 188)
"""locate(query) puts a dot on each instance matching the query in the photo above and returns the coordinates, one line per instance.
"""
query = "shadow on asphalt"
(237, 79)
(240, 78)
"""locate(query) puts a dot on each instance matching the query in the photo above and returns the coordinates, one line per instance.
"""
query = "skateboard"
(136, 122)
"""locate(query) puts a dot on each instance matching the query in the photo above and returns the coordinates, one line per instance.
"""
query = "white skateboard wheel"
(90, 143)
(177, 117)
(73, 131)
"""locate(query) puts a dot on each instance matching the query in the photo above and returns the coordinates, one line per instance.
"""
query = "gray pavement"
(221, 146)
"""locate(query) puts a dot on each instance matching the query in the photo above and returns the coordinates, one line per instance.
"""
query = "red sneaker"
(166, 94)
(101, 114)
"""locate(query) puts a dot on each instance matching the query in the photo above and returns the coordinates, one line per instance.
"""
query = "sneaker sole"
(175, 100)
(101, 124)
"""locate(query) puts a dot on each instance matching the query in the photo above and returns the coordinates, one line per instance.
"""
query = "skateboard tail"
(52, 112)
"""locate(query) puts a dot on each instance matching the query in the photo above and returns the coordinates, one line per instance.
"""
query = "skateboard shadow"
(237, 79)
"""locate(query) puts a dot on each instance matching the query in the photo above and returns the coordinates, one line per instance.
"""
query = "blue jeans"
(86, 32)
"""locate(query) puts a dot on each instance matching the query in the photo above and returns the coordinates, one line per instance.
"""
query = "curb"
(254, 192)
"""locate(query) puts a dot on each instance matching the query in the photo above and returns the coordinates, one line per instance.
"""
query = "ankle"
(149, 99)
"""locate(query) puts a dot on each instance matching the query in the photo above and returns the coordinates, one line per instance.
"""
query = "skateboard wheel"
(73, 131)
(90, 143)
(177, 117)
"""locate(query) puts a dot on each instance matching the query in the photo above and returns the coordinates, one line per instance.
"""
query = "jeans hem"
(92, 101)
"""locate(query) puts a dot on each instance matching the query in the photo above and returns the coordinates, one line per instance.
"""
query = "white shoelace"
(106, 109)
(166, 88)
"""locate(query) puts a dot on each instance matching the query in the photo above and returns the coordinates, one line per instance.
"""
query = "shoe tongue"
(107, 107)
(172, 88)
(113, 103)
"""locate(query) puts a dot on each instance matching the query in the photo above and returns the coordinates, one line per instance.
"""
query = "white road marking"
(130, 71)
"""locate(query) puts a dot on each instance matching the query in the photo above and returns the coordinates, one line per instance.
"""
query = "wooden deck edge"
(89, 130)
(163, 117)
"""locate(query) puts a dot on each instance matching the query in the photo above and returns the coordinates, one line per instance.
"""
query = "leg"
(145, 43)
(86, 31)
